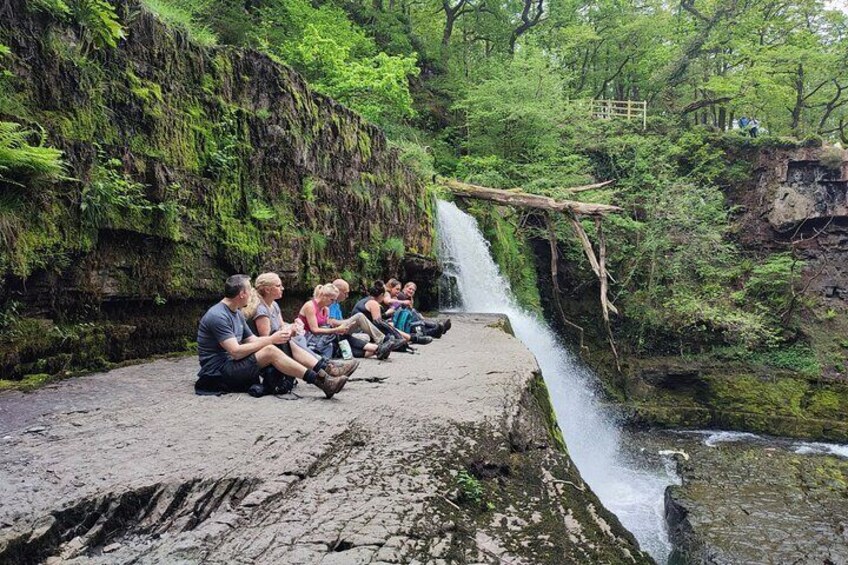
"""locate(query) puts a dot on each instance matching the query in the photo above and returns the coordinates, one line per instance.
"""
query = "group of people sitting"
(244, 345)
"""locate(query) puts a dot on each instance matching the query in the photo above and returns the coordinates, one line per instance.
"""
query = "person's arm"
(308, 312)
(263, 325)
(374, 308)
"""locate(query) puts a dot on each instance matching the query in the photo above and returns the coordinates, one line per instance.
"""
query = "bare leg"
(271, 355)
(370, 349)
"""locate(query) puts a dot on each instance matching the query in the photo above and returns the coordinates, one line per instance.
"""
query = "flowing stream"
(628, 486)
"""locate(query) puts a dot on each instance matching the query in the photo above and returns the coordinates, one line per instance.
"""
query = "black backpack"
(273, 382)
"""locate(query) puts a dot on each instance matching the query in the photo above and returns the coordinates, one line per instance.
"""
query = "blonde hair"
(328, 289)
(263, 282)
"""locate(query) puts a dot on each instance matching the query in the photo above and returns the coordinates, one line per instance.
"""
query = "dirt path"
(131, 466)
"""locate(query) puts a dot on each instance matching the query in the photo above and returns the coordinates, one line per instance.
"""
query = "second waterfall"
(632, 491)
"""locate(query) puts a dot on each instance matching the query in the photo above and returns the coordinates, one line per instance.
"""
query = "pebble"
(112, 547)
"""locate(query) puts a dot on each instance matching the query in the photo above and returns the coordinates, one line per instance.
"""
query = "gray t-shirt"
(272, 313)
(217, 325)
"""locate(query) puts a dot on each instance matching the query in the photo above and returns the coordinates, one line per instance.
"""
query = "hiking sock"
(310, 376)
(322, 362)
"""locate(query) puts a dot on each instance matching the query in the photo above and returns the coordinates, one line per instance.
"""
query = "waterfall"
(632, 491)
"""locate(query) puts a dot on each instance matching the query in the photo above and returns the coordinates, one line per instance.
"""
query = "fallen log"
(523, 200)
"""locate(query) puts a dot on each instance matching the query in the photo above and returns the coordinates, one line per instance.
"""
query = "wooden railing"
(630, 109)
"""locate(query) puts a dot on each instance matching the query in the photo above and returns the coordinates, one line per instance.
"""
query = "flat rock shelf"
(450, 455)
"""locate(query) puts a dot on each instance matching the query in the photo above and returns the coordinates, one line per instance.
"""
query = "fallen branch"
(587, 245)
(552, 240)
(586, 187)
(606, 306)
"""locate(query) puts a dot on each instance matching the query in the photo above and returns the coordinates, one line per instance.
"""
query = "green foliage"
(261, 211)
(375, 86)
(515, 112)
(186, 16)
(22, 163)
(771, 283)
(308, 190)
(394, 247)
(417, 157)
(109, 196)
(798, 358)
(112, 199)
(470, 487)
(99, 21)
(56, 8)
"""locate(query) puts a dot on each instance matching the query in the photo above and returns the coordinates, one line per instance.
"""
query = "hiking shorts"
(234, 376)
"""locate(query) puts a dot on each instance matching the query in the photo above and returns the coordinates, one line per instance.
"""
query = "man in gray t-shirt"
(231, 357)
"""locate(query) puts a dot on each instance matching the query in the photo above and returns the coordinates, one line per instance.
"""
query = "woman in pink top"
(321, 336)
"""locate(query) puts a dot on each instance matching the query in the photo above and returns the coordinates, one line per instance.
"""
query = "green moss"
(27, 383)
(308, 190)
(543, 398)
(756, 395)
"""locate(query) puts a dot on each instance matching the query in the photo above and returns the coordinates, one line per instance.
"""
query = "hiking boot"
(341, 368)
(329, 384)
(422, 339)
(384, 349)
(446, 325)
(398, 344)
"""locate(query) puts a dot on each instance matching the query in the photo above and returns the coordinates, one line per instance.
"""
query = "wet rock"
(756, 500)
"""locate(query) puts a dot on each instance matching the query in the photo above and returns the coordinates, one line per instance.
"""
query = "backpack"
(273, 382)
(403, 319)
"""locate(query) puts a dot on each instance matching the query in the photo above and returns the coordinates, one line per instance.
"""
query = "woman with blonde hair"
(322, 336)
(264, 317)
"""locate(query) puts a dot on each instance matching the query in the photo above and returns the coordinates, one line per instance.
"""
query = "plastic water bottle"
(347, 353)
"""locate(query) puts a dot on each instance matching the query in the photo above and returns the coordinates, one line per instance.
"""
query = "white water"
(713, 438)
(816, 448)
(633, 493)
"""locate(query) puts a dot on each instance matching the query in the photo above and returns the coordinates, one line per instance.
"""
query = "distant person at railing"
(264, 317)
(232, 358)
(753, 127)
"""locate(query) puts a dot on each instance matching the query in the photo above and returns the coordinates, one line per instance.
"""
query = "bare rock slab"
(451, 455)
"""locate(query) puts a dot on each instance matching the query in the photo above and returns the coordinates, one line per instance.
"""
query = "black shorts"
(234, 376)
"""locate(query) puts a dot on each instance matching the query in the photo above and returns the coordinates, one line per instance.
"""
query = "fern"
(56, 8)
(22, 163)
(100, 22)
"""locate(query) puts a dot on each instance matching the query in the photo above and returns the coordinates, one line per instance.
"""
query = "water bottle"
(347, 354)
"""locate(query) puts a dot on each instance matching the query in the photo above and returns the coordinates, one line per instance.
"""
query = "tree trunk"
(799, 99)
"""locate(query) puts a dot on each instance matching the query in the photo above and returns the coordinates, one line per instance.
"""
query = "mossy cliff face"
(185, 164)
